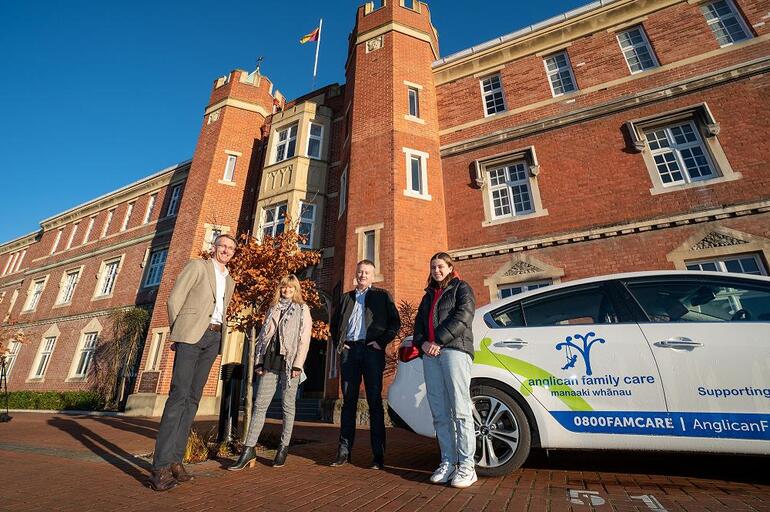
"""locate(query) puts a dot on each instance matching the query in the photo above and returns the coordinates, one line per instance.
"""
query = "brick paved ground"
(62, 463)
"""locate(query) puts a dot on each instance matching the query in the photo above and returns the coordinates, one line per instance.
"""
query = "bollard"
(230, 404)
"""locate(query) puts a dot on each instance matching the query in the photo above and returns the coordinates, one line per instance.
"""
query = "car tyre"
(503, 433)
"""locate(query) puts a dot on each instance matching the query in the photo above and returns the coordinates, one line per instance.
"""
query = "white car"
(668, 360)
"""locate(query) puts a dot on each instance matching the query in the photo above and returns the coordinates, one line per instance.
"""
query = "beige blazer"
(191, 302)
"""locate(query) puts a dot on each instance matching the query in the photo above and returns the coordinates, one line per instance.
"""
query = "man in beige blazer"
(197, 307)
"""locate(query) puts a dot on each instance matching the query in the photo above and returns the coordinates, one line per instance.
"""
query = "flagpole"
(317, 46)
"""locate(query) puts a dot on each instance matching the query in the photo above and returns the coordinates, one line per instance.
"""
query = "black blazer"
(380, 317)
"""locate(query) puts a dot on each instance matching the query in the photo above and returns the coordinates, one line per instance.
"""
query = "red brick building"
(623, 135)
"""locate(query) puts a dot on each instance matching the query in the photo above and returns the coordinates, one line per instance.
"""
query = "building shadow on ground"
(111, 453)
(146, 428)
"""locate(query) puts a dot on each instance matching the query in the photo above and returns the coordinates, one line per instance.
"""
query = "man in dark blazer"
(197, 307)
(365, 321)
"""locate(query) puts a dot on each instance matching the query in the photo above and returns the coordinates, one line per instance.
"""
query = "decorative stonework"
(715, 239)
(374, 43)
(214, 116)
(521, 267)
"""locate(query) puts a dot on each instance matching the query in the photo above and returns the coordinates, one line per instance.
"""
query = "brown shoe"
(162, 479)
(179, 472)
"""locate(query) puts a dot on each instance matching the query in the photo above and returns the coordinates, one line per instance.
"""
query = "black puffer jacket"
(452, 317)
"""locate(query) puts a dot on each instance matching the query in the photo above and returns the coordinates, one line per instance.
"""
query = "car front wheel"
(503, 435)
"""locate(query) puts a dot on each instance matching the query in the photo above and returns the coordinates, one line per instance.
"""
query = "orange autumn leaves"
(258, 267)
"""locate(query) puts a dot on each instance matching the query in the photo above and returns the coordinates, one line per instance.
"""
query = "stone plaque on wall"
(149, 382)
(374, 43)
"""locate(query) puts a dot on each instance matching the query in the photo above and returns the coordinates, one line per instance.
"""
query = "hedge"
(54, 400)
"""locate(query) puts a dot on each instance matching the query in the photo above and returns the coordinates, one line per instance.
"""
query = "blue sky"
(98, 94)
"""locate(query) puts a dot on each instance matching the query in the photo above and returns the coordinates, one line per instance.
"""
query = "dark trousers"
(356, 362)
(192, 365)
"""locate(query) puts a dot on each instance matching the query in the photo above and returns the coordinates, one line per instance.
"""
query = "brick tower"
(218, 198)
(395, 197)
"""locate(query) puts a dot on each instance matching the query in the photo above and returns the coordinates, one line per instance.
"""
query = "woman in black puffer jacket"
(442, 332)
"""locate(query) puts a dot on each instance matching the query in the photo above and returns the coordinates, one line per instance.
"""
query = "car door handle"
(512, 343)
(678, 342)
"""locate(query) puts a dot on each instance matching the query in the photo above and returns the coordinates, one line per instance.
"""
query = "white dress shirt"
(217, 317)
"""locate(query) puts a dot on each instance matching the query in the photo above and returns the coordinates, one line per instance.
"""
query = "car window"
(509, 316)
(575, 306)
(702, 300)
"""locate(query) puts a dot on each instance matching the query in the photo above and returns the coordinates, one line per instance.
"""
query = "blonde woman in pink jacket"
(280, 355)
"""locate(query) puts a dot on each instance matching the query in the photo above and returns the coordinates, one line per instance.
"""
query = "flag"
(311, 37)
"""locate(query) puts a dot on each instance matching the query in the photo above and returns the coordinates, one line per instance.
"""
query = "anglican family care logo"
(578, 344)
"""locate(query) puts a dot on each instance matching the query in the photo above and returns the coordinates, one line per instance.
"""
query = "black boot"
(280, 456)
(343, 457)
(248, 458)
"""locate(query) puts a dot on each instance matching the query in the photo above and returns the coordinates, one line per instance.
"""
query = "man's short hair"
(365, 262)
(225, 235)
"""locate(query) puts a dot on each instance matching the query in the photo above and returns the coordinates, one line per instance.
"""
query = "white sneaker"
(443, 474)
(465, 477)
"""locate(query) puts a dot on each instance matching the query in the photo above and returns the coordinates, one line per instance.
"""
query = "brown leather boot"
(162, 479)
(180, 473)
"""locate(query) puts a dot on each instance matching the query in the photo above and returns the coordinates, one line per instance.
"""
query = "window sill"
(660, 189)
(76, 378)
(225, 182)
(36, 380)
(424, 197)
(101, 297)
(61, 305)
(506, 220)
(414, 119)
(486, 115)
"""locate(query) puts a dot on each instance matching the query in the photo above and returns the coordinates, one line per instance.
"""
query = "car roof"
(625, 275)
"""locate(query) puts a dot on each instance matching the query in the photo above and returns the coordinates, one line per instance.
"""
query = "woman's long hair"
(432, 283)
(290, 280)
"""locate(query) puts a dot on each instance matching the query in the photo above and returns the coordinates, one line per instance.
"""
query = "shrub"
(55, 400)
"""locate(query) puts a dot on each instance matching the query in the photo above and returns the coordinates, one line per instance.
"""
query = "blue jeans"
(448, 386)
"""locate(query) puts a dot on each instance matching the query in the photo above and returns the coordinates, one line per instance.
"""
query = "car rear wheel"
(503, 436)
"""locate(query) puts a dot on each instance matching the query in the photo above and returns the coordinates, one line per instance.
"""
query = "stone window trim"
(561, 79)
(71, 238)
(423, 194)
(361, 248)
(175, 198)
(159, 338)
(735, 13)
(635, 48)
(521, 268)
(146, 264)
(100, 276)
(231, 162)
(107, 222)
(312, 221)
(343, 202)
(482, 166)
(493, 100)
(127, 216)
(708, 129)
(63, 282)
(56, 240)
(320, 138)
(152, 199)
(89, 230)
(51, 332)
(716, 241)
(29, 307)
(208, 238)
(94, 326)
